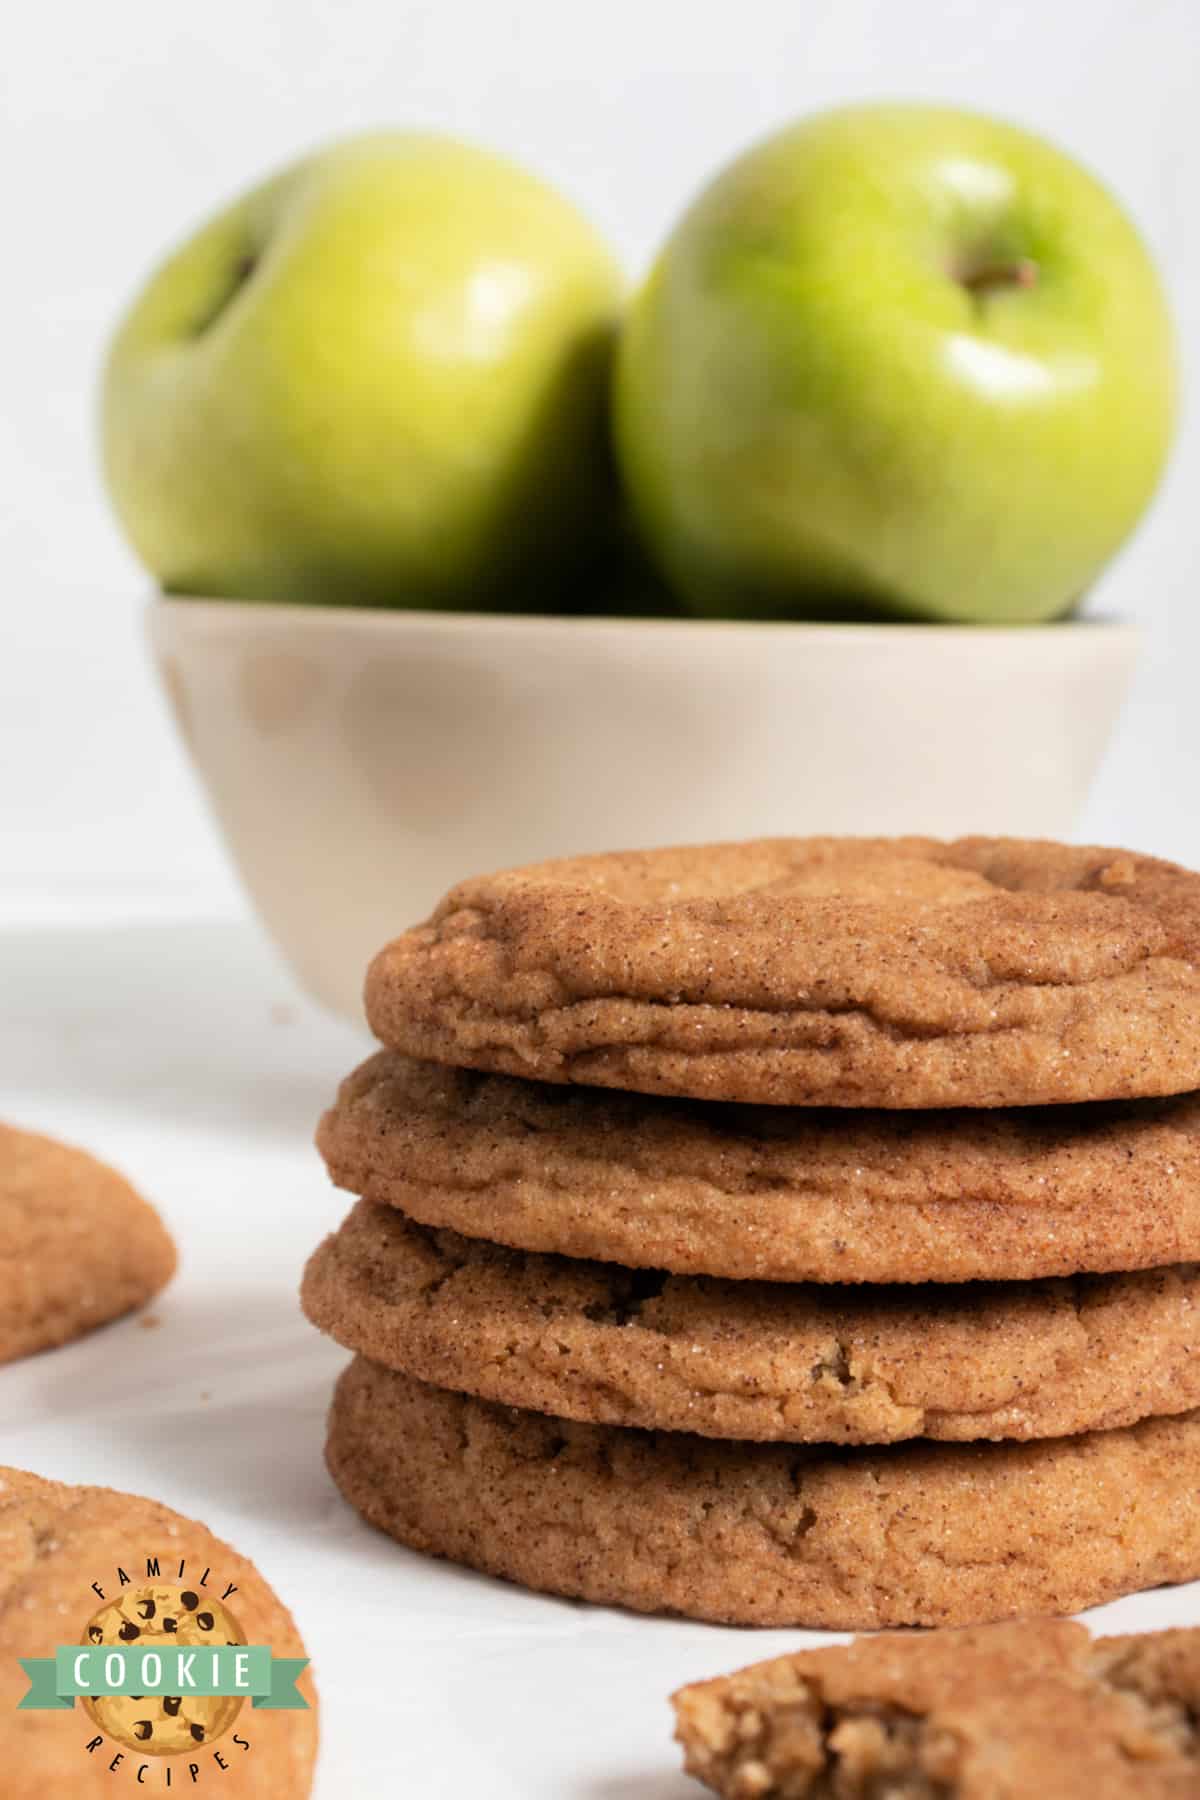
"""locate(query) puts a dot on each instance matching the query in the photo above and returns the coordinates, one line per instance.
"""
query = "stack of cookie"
(865, 1301)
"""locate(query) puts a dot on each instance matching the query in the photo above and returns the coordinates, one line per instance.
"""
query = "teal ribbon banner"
(99, 1670)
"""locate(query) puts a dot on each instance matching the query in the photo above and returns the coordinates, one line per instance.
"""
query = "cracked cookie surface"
(772, 1193)
(890, 972)
(55, 1541)
(78, 1246)
(768, 1534)
(758, 1360)
(1001, 1712)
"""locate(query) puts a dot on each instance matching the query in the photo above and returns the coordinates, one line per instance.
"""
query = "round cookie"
(772, 1193)
(757, 1360)
(55, 1541)
(767, 1534)
(80, 1246)
(890, 972)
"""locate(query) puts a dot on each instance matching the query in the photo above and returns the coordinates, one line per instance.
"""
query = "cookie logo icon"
(165, 1618)
(165, 1675)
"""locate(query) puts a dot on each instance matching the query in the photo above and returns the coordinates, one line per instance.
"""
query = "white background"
(175, 1047)
(126, 122)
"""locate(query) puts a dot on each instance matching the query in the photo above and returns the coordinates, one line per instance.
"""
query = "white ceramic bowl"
(361, 762)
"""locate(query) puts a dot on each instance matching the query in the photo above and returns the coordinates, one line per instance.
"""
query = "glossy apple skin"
(818, 417)
(380, 378)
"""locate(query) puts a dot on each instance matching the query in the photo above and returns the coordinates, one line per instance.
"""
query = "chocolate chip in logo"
(205, 1621)
(169, 1625)
(96, 1633)
(129, 1631)
(188, 1600)
(137, 1696)
(198, 1733)
(171, 1705)
(147, 1609)
(142, 1729)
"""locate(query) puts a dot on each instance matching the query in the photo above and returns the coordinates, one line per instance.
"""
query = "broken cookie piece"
(997, 1712)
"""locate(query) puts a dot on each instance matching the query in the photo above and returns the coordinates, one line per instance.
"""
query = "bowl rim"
(206, 614)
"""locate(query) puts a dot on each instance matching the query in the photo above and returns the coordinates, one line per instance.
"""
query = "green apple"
(380, 378)
(899, 360)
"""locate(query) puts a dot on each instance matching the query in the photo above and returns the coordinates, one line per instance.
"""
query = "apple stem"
(1021, 272)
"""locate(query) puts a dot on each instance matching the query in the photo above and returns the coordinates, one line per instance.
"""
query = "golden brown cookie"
(892, 972)
(770, 1534)
(55, 1542)
(767, 1361)
(1001, 1712)
(78, 1246)
(772, 1193)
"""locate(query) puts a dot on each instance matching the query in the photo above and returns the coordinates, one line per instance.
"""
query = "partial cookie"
(55, 1542)
(765, 1361)
(1002, 1712)
(773, 1193)
(768, 1534)
(78, 1246)
(892, 972)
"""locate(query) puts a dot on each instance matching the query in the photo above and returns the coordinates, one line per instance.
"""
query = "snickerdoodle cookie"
(1001, 1712)
(78, 1246)
(772, 1193)
(769, 1534)
(902, 972)
(55, 1543)
(768, 1361)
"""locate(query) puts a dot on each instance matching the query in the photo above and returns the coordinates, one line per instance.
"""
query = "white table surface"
(179, 1051)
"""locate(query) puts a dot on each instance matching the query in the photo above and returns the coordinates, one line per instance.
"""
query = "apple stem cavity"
(243, 269)
(985, 278)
